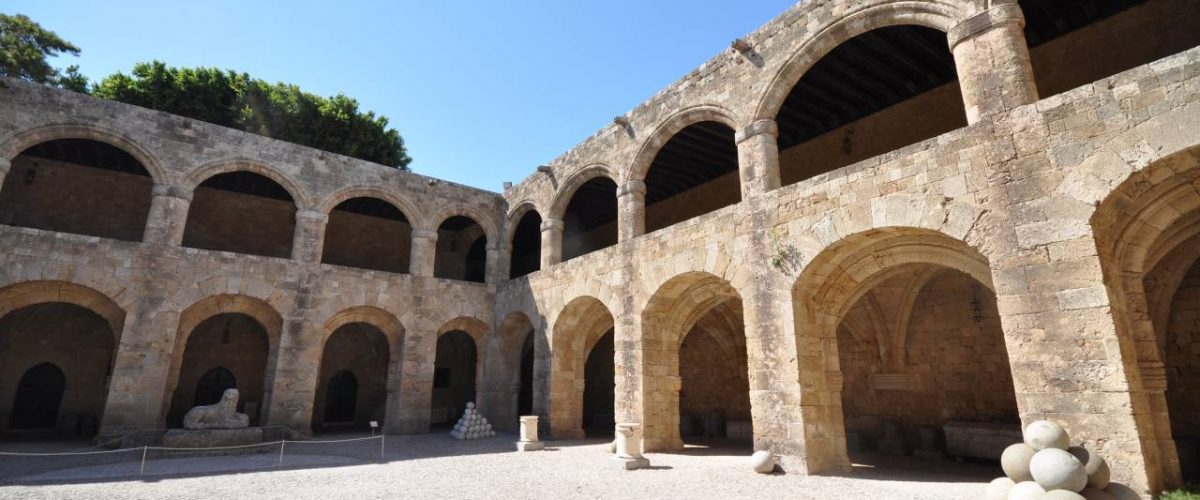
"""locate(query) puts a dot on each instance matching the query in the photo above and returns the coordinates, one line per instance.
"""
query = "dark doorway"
(212, 386)
(598, 389)
(39, 394)
(453, 376)
(525, 396)
(341, 398)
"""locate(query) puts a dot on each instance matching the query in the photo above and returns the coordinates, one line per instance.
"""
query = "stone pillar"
(423, 252)
(552, 233)
(168, 216)
(628, 447)
(758, 157)
(497, 262)
(529, 434)
(631, 210)
(412, 414)
(992, 58)
(309, 237)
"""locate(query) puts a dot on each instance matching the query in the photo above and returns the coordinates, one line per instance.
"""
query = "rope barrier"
(62, 454)
(208, 448)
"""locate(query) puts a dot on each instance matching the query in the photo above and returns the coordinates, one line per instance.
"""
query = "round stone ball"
(1061, 495)
(1027, 490)
(1015, 462)
(1045, 434)
(1094, 494)
(470, 405)
(1055, 469)
(1122, 492)
(998, 489)
(763, 462)
(1094, 466)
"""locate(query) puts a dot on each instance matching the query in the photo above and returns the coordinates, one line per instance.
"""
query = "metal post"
(281, 443)
(142, 469)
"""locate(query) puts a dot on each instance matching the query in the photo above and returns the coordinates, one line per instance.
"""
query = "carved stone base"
(530, 445)
(210, 438)
(630, 463)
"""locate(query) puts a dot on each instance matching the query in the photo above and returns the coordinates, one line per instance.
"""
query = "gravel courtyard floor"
(435, 466)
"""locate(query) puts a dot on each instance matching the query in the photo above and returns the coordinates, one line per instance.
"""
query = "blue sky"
(482, 92)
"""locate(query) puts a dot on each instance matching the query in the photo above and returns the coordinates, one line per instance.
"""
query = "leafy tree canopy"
(24, 47)
(276, 110)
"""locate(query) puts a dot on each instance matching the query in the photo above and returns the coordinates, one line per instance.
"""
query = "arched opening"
(694, 337)
(39, 396)
(78, 186)
(525, 392)
(368, 233)
(1180, 342)
(453, 376)
(461, 250)
(55, 362)
(212, 386)
(694, 173)
(590, 219)
(599, 376)
(1076, 42)
(526, 245)
(241, 212)
(341, 398)
(353, 379)
(908, 357)
(510, 372)
(232, 342)
(877, 92)
(583, 359)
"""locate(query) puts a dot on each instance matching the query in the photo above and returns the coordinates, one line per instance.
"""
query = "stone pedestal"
(629, 448)
(212, 438)
(529, 435)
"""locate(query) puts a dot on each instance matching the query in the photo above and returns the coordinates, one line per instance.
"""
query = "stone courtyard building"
(864, 213)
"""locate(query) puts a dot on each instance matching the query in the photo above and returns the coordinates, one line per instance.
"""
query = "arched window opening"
(696, 172)
(1076, 42)
(461, 250)
(341, 397)
(39, 396)
(241, 212)
(368, 233)
(353, 379)
(590, 221)
(875, 93)
(453, 376)
(77, 186)
(599, 389)
(46, 349)
(212, 385)
(526, 246)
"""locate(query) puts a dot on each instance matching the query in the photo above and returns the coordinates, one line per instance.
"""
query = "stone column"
(424, 250)
(992, 58)
(497, 262)
(168, 216)
(758, 157)
(631, 210)
(552, 233)
(309, 237)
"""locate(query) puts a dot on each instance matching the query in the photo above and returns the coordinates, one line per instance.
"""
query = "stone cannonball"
(1122, 492)
(1015, 462)
(998, 489)
(1093, 465)
(1061, 495)
(1094, 494)
(1046, 434)
(763, 462)
(1027, 490)
(1055, 469)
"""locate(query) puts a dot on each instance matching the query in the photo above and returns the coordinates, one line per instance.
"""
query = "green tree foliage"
(278, 110)
(24, 47)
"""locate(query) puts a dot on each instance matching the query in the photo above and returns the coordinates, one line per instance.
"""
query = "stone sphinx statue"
(221, 415)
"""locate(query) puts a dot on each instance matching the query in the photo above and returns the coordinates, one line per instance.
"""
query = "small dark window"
(39, 395)
(212, 386)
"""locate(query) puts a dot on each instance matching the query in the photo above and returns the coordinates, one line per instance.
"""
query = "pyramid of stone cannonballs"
(472, 425)
(1046, 467)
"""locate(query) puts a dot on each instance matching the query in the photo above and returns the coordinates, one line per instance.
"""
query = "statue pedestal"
(210, 438)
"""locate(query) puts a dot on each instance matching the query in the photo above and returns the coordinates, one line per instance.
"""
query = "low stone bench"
(979, 439)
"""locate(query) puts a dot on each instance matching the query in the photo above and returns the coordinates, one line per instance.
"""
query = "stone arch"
(515, 214)
(577, 329)
(654, 142)
(941, 15)
(1142, 229)
(824, 292)
(411, 211)
(257, 309)
(387, 396)
(303, 199)
(25, 139)
(385, 321)
(558, 208)
(28, 293)
(477, 330)
(668, 317)
(506, 364)
(487, 223)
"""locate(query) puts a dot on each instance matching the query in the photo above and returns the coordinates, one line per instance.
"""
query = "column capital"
(424, 234)
(168, 191)
(496, 246)
(309, 215)
(999, 15)
(552, 225)
(759, 127)
(631, 187)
